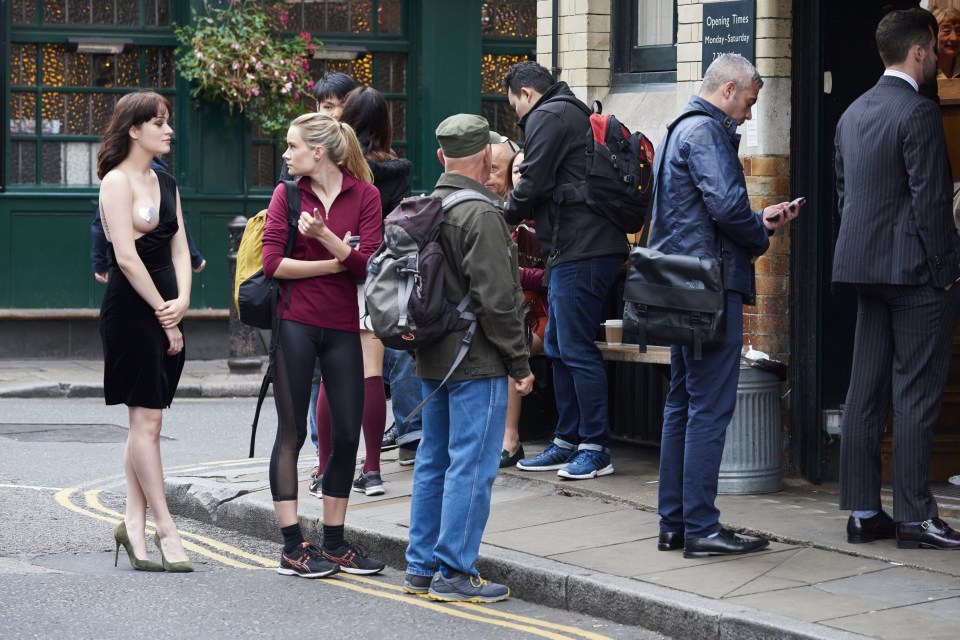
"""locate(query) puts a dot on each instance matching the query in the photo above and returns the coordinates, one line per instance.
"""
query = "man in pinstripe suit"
(898, 245)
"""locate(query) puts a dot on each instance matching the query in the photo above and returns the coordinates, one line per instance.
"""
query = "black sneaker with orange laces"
(353, 558)
(306, 561)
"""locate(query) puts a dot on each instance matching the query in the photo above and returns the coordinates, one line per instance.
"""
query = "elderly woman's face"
(948, 39)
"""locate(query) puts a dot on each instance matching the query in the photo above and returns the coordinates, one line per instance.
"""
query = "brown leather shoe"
(879, 527)
(929, 534)
(670, 541)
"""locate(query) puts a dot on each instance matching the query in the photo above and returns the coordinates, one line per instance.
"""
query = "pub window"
(509, 29)
(61, 93)
(374, 28)
(645, 36)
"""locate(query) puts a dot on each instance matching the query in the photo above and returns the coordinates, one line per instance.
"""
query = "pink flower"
(235, 66)
(310, 85)
(253, 91)
(259, 65)
(287, 88)
(250, 76)
(234, 46)
(199, 54)
(296, 96)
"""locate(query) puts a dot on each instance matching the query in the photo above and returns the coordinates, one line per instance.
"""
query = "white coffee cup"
(614, 331)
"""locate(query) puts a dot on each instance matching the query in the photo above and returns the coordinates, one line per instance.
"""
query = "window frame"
(41, 33)
(633, 63)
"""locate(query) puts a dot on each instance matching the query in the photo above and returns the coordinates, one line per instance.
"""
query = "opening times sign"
(728, 27)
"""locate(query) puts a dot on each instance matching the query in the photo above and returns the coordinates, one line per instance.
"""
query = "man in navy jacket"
(701, 199)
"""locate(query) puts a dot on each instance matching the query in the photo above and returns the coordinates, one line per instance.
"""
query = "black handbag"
(674, 299)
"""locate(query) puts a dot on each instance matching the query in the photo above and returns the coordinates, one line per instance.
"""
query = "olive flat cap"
(464, 134)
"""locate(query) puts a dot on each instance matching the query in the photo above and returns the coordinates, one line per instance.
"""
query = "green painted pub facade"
(430, 58)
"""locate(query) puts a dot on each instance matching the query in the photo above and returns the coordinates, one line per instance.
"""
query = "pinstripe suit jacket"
(895, 189)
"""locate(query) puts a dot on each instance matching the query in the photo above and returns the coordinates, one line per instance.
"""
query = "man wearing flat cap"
(459, 453)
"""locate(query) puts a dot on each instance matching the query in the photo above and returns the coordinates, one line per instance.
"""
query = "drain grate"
(48, 432)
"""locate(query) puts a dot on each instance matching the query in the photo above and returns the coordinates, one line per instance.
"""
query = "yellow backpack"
(254, 294)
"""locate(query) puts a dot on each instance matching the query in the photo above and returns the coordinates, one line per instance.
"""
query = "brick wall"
(584, 44)
(767, 325)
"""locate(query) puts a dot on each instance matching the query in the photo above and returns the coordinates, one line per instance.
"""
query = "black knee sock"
(332, 537)
(292, 537)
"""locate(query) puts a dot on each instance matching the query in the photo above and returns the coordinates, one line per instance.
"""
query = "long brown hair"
(132, 110)
(338, 138)
(366, 110)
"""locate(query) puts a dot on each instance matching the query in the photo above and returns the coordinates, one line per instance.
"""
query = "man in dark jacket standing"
(459, 453)
(584, 252)
(701, 199)
(898, 245)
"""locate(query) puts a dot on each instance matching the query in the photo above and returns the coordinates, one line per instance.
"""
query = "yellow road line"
(491, 611)
(93, 501)
(444, 609)
(380, 589)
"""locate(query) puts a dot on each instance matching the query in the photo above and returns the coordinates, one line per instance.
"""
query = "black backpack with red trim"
(619, 176)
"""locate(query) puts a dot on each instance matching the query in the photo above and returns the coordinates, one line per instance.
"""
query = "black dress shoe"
(725, 543)
(670, 541)
(879, 527)
(930, 534)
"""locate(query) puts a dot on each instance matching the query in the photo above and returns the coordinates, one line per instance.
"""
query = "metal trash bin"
(751, 460)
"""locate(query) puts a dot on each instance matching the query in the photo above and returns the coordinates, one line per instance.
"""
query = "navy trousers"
(702, 397)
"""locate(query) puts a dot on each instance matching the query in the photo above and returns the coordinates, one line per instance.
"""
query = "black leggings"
(341, 362)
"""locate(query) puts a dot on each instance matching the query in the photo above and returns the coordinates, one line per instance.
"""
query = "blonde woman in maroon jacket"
(321, 321)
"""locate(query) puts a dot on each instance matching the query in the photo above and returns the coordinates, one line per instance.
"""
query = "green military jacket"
(479, 258)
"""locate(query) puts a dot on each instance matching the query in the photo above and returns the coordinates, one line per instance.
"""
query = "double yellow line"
(87, 503)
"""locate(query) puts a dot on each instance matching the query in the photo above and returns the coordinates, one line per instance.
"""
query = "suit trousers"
(696, 414)
(901, 353)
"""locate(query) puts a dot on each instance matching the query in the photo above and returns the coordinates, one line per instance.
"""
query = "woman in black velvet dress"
(147, 296)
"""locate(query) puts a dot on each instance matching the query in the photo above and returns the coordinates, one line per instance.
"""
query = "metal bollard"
(246, 344)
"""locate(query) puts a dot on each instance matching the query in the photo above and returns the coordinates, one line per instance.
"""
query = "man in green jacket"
(459, 452)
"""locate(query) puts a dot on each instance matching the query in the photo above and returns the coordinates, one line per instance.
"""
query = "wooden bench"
(631, 353)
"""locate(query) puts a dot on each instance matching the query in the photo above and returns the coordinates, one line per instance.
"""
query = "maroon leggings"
(374, 423)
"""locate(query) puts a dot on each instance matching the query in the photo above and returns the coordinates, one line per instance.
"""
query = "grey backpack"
(406, 301)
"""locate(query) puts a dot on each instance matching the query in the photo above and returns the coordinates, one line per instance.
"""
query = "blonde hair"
(338, 138)
(946, 13)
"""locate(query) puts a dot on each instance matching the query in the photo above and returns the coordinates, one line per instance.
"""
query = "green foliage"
(243, 56)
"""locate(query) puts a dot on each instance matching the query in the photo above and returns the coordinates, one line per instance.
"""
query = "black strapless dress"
(137, 371)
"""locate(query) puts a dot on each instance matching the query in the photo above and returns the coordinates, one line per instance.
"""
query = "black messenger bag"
(673, 300)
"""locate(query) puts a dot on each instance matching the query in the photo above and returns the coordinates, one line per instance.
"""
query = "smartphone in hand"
(353, 241)
(796, 204)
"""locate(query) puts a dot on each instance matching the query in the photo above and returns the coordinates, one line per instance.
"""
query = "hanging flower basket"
(243, 55)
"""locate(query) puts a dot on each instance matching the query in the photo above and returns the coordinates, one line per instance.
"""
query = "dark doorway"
(835, 61)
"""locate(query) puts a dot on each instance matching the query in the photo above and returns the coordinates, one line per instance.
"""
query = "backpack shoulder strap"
(645, 230)
(464, 195)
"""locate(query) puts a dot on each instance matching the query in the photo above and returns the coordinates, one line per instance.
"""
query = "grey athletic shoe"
(466, 588)
(412, 583)
(406, 457)
(316, 485)
(369, 483)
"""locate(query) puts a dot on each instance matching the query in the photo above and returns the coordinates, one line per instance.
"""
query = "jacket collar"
(454, 181)
(891, 80)
(559, 89)
(348, 181)
(729, 124)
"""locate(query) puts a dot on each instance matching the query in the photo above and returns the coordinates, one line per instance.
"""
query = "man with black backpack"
(584, 252)
(459, 453)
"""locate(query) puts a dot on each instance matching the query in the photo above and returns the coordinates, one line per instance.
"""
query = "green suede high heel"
(121, 538)
(184, 566)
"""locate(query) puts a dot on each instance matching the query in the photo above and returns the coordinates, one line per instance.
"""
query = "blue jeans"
(457, 462)
(312, 411)
(702, 397)
(576, 295)
(406, 392)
